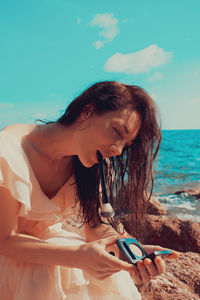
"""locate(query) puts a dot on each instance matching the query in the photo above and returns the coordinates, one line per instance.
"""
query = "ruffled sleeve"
(14, 173)
(17, 176)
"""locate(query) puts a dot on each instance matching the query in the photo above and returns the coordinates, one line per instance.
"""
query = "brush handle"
(103, 178)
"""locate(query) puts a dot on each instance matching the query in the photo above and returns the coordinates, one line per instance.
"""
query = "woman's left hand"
(146, 269)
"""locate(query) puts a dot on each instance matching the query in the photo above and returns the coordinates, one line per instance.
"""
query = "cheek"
(104, 137)
(96, 136)
(88, 138)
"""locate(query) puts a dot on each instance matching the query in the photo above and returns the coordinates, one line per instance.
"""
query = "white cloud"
(138, 62)
(156, 76)
(98, 44)
(6, 105)
(109, 25)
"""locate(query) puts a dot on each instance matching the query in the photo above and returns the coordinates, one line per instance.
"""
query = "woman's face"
(109, 133)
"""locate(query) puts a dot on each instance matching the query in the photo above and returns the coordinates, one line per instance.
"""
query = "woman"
(50, 172)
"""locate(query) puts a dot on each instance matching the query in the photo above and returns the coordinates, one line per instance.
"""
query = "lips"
(106, 154)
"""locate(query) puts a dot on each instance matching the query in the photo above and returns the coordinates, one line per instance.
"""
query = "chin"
(87, 163)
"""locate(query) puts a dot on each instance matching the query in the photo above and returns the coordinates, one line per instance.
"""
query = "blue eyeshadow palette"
(133, 251)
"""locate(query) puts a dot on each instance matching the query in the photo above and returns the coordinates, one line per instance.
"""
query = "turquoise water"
(179, 168)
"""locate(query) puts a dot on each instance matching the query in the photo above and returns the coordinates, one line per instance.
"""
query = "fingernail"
(157, 259)
(174, 254)
(147, 261)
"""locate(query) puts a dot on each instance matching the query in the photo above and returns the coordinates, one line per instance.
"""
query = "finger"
(117, 263)
(107, 270)
(105, 276)
(151, 268)
(99, 274)
(135, 275)
(144, 274)
(102, 275)
(114, 250)
(109, 273)
(173, 255)
(160, 264)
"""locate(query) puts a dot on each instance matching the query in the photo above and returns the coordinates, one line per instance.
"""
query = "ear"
(87, 112)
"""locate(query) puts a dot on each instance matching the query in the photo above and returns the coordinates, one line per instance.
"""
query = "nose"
(116, 149)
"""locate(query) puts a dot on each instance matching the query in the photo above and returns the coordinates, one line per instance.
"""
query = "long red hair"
(130, 175)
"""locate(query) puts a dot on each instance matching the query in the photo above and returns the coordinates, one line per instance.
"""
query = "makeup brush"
(107, 210)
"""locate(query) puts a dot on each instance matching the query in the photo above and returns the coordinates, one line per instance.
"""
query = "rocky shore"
(181, 281)
(192, 192)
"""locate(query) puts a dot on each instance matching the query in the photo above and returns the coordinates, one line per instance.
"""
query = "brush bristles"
(107, 211)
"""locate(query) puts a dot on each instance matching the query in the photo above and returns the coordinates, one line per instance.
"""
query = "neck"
(52, 141)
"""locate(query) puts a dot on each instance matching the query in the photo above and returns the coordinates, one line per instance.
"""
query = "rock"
(155, 207)
(180, 235)
(180, 281)
(191, 192)
(182, 277)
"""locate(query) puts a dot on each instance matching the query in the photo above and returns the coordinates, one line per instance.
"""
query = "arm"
(99, 232)
(146, 269)
(26, 248)
(90, 257)
(104, 231)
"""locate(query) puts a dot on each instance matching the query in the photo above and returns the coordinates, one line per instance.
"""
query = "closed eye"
(120, 135)
(118, 132)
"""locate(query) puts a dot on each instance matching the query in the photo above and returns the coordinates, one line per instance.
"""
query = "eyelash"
(118, 132)
(121, 136)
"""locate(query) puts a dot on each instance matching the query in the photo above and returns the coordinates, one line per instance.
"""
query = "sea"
(177, 169)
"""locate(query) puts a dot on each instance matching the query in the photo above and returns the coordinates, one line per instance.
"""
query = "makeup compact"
(133, 252)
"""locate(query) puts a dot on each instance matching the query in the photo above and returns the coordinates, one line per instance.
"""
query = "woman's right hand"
(94, 259)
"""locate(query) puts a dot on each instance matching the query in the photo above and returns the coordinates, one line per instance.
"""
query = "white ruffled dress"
(43, 218)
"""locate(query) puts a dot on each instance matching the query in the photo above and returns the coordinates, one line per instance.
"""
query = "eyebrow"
(127, 132)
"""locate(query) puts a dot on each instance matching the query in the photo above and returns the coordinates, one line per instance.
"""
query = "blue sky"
(51, 50)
